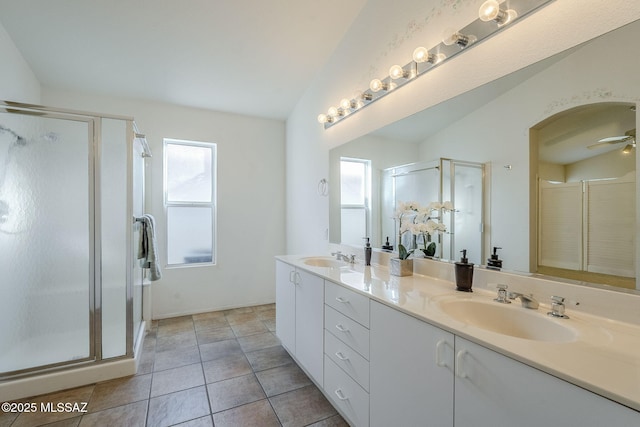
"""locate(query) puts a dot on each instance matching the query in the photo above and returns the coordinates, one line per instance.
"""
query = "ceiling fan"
(629, 138)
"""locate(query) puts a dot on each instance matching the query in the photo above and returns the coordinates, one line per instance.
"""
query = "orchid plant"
(418, 221)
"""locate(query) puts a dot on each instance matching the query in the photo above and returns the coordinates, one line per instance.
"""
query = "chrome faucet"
(342, 257)
(502, 294)
(557, 308)
(527, 300)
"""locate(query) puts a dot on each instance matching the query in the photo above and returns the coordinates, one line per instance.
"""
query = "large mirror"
(565, 122)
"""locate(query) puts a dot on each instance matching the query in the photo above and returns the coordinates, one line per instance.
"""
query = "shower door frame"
(94, 164)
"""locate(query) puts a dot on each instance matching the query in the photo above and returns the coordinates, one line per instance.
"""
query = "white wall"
(250, 222)
(385, 33)
(17, 81)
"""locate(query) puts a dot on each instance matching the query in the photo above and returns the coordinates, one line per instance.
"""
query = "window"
(189, 197)
(354, 200)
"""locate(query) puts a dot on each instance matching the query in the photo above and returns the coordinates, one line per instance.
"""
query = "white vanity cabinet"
(299, 317)
(494, 390)
(411, 380)
(346, 348)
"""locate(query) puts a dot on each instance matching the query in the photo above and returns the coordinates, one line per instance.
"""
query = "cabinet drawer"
(347, 330)
(347, 359)
(347, 302)
(350, 399)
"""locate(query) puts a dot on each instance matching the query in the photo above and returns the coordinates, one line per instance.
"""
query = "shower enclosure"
(71, 292)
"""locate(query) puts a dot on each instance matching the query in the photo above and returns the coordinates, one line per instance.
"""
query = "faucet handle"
(557, 307)
(503, 296)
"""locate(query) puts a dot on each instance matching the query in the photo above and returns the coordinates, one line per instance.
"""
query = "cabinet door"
(411, 375)
(286, 305)
(494, 390)
(310, 323)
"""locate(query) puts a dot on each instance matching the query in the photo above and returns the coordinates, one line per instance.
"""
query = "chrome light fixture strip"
(471, 35)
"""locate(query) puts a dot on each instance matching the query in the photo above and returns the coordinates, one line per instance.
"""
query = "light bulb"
(332, 111)
(346, 104)
(322, 118)
(421, 54)
(376, 85)
(490, 11)
(451, 36)
(396, 72)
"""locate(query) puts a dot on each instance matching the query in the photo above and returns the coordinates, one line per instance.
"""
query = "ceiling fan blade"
(615, 139)
(599, 145)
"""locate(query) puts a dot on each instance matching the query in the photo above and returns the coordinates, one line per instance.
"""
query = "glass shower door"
(46, 240)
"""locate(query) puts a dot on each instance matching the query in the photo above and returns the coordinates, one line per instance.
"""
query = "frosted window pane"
(189, 235)
(188, 173)
(352, 183)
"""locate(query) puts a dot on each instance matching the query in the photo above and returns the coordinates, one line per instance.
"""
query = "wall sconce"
(454, 42)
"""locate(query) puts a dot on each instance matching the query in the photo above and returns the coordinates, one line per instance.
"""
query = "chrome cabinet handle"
(341, 356)
(342, 300)
(340, 394)
(342, 328)
(291, 276)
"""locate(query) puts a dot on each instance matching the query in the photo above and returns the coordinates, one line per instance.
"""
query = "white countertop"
(604, 358)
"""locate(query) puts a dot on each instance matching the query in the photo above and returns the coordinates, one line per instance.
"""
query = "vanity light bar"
(493, 18)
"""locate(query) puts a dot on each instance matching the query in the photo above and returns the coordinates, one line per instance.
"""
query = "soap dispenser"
(387, 246)
(464, 273)
(494, 263)
(367, 253)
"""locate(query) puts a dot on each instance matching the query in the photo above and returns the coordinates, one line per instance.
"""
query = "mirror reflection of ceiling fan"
(629, 138)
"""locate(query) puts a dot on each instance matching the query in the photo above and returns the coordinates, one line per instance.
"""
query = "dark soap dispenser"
(387, 246)
(367, 253)
(464, 273)
(494, 263)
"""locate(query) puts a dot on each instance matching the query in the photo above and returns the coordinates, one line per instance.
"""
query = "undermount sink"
(511, 319)
(324, 261)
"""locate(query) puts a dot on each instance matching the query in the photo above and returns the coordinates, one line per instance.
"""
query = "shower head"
(146, 151)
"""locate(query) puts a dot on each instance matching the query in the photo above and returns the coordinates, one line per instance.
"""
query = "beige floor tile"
(208, 315)
(175, 408)
(209, 335)
(282, 379)
(176, 341)
(79, 395)
(239, 310)
(198, 422)
(250, 327)
(220, 349)
(213, 323)
(335, 421)
(131, 415)
(234, 392)
(176, 379)
(70, 422)
(258, 341)
(270, 324)
(226, 367)
(256, 414)
(7, 418)
(302, 407)
(259, 308)
(240, 318)
(110, 394)
(176, 358)
(267, 314)
(268, 358)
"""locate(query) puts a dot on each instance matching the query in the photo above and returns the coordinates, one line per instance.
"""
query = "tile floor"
(224, 368)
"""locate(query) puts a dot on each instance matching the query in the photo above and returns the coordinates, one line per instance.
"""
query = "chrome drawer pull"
(340, 394)
(342, 328)
(342, 300)
(341, 356)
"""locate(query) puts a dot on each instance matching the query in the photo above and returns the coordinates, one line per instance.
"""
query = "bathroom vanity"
(411, 350)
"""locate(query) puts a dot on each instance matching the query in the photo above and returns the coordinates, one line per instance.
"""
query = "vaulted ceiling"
(253, 57)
